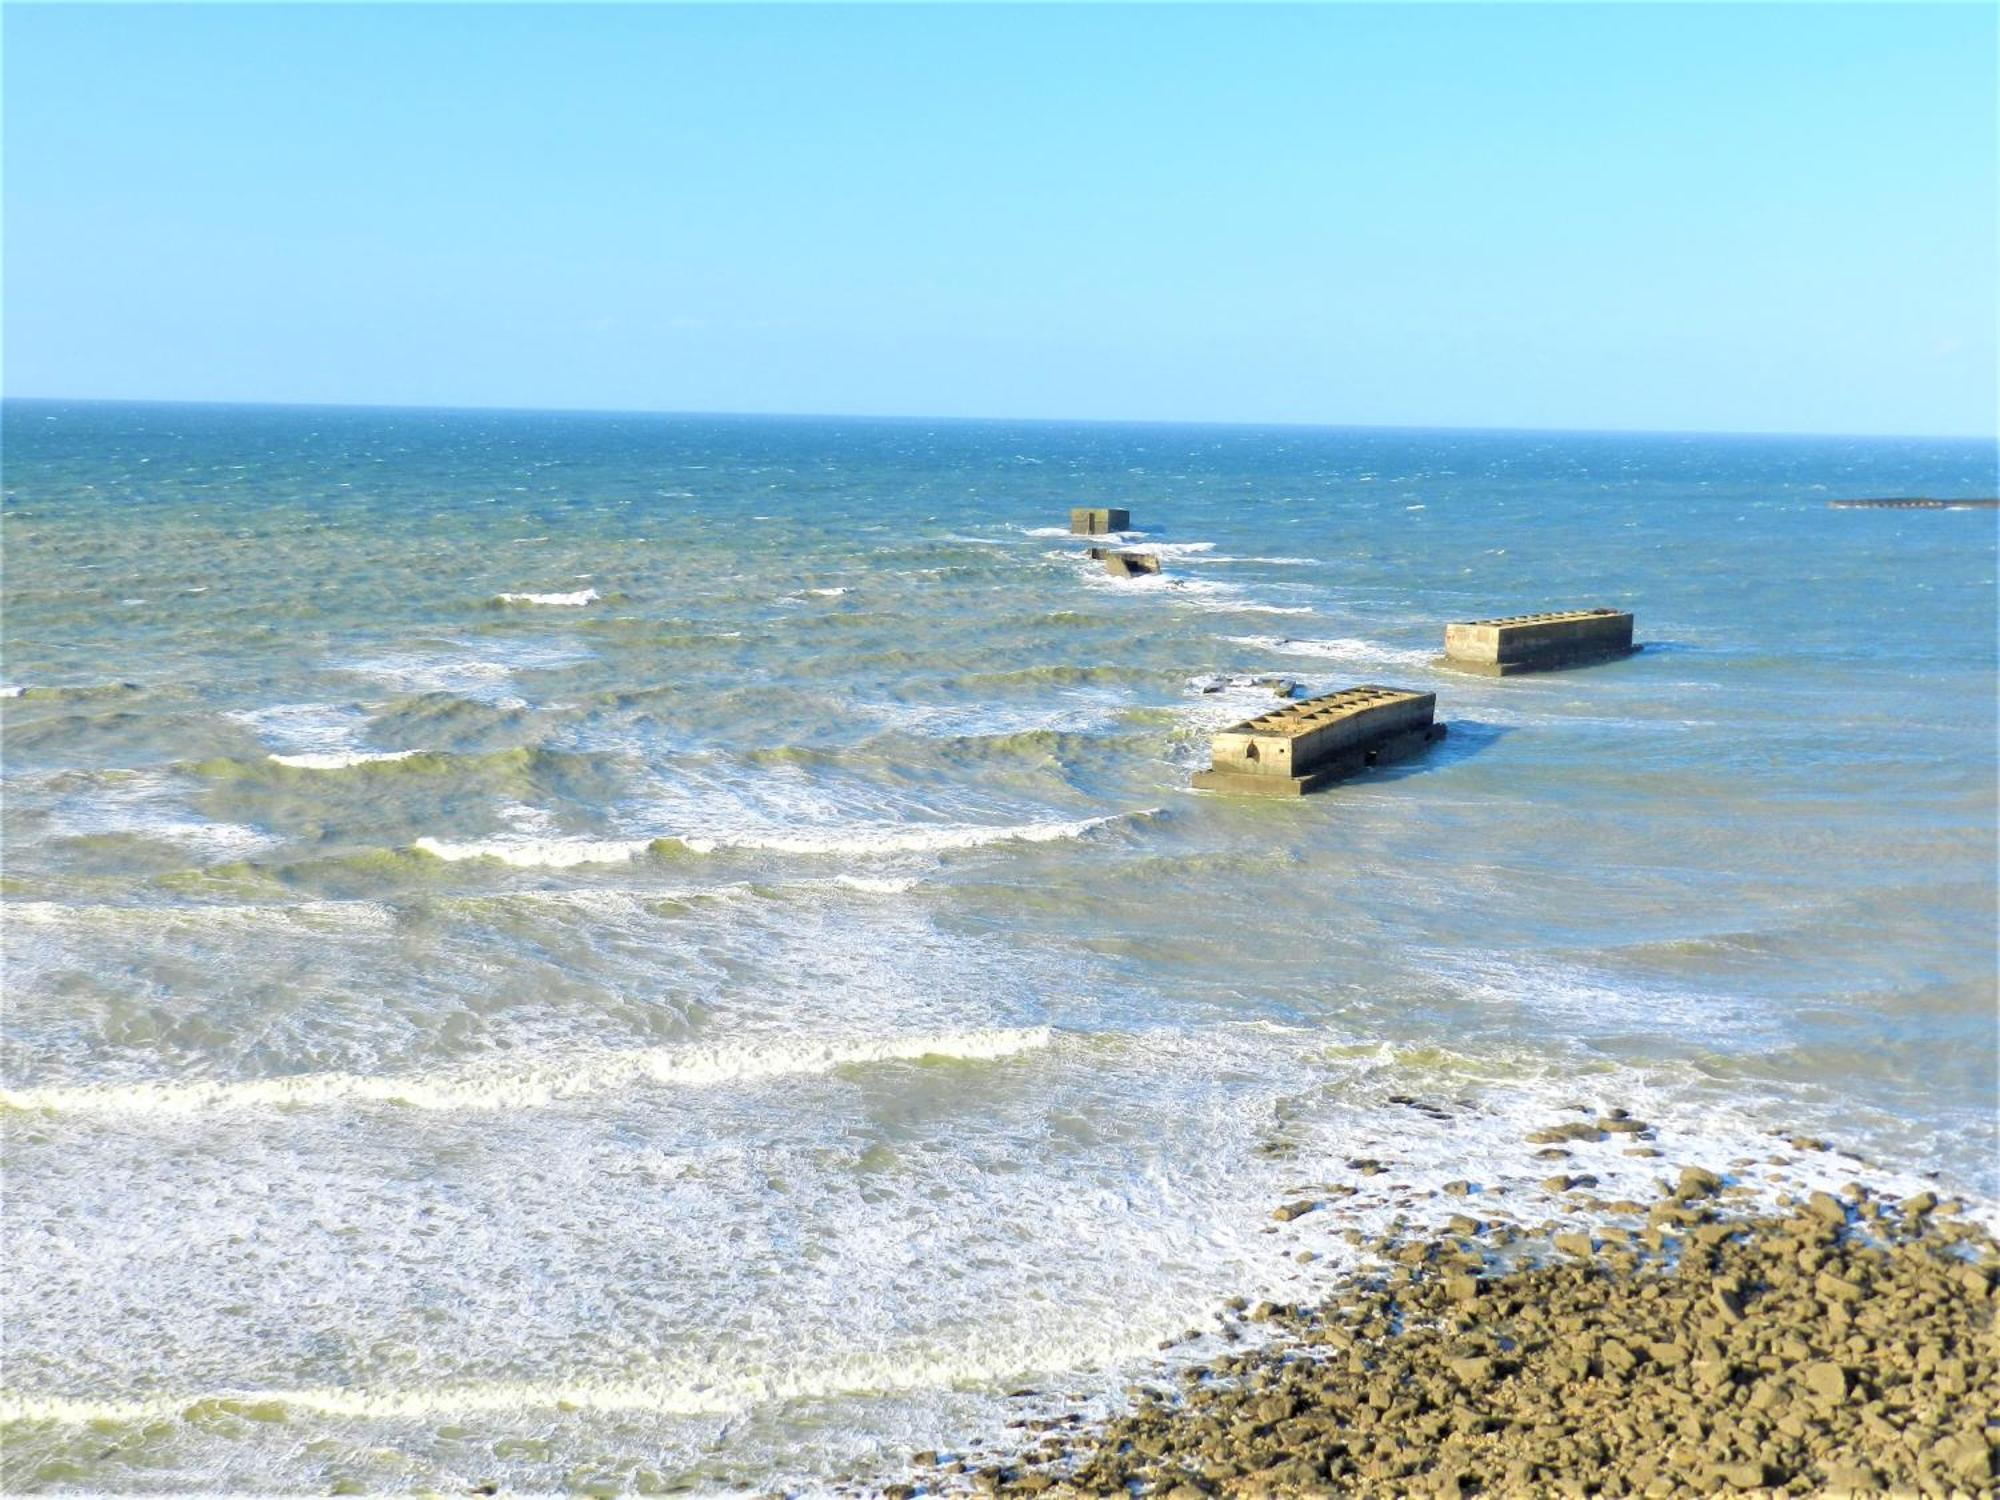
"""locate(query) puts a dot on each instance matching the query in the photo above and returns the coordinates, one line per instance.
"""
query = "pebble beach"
(1716, 1340)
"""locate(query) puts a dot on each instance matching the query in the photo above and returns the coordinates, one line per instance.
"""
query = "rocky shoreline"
(1825, 1344)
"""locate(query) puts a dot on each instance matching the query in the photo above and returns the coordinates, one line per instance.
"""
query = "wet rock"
(1697, 1182)
(1572, 1130)
(1712, 1354)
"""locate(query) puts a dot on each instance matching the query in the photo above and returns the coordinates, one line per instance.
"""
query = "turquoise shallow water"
(607, 952)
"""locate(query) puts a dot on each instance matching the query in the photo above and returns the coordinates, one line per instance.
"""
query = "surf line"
(472, 1090)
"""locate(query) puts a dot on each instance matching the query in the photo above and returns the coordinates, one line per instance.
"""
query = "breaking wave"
(341, 760)
(561, 853)
(533, 1085)
(1348, 649)
(579, 598)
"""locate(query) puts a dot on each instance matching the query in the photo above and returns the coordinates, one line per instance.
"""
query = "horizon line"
(805, 416)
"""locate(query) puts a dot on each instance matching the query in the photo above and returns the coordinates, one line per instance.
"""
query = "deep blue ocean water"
(608, 952)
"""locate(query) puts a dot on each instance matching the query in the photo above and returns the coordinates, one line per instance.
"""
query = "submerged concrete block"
(1215, 682)
(1304, 746)
(1097, 520)
(1128, 564)
(1918, 503)
(1538, 643)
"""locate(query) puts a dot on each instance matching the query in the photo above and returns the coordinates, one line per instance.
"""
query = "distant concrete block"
(1304, 746)
(1098, 520)
(1916, 503)
(1215, 682)
(1538, 643)
(1128, 564)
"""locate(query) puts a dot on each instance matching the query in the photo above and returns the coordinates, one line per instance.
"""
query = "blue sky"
(1698, 218)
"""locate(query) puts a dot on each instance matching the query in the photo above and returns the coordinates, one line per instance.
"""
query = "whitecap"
(1348, 649)
(878, 885)
(903, 839)
(1237, 608)
(535, 1084)
(537, 853)
(341, 760)
(482, 673)
(575, 600)
(149, 804)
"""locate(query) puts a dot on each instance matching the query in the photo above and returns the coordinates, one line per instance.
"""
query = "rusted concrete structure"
(1128, 564)
(1537, 643)
(1304, 746)
(1098, 520)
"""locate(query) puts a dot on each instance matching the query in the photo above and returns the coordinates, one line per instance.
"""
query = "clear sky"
(1700, 218)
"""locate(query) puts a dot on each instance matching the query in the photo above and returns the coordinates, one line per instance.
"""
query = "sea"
(607, 954)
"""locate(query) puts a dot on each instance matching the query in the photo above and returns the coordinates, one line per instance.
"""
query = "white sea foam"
(481, 671)
(341, 760)
(710, 1393)
(878, 885)
(536, 1084)
(528, 852)
(1073, 713)
(1169, 585)
(149, 804)
(1591, 1001)
(1256, 609)
(343, 917)
(305, 728)
(1352, 650)
(903, 839)
(573, 600)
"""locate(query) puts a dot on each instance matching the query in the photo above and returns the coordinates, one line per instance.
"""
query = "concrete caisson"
(1128, 564)
(1087, 520)
(1538, 643)
(1304, 746)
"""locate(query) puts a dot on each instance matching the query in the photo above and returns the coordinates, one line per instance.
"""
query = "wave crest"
(476, 1088)
(572, 601)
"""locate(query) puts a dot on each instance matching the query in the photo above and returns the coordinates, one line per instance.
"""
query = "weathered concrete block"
(1303, 746)
(1128, 564)
(1097, 520)
(1538, 643)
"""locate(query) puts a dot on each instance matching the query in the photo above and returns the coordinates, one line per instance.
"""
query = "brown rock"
(1825, 1380)
(1698, 1182)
